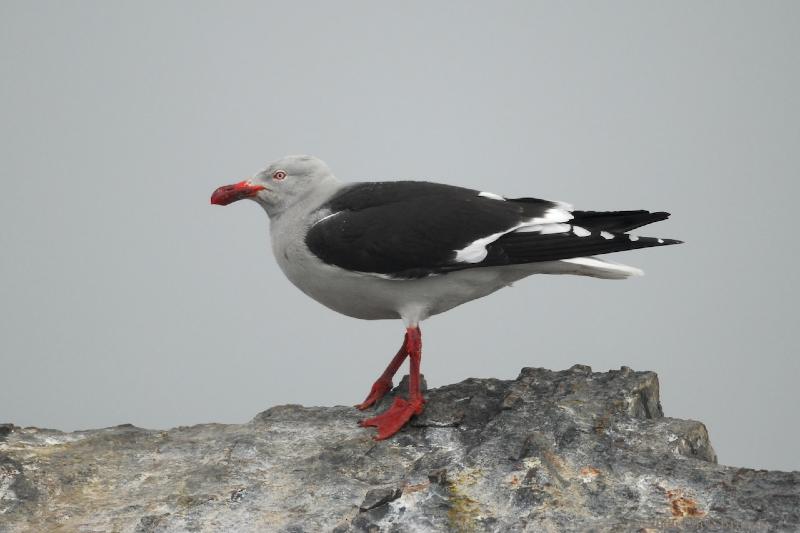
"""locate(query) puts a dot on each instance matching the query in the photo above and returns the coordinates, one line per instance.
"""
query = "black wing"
(414, 229)
(411, 229)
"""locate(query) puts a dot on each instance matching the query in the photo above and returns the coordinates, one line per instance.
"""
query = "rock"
(549, 451)
(377, 497)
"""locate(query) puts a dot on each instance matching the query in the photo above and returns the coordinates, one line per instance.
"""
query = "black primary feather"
(616, 221)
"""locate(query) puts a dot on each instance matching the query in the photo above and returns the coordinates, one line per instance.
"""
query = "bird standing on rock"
(413, 249)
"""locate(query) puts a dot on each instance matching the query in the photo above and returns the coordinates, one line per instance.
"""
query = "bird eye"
(279, 174)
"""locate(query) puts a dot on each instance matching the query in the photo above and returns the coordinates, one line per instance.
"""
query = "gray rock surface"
(549, 451)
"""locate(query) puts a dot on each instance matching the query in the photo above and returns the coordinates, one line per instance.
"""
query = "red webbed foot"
(379, 389)
(397, 416)
(402, 410)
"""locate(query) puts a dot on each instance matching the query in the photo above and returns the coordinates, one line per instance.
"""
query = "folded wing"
(415, 229)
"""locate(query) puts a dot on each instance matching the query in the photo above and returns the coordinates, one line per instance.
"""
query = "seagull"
(413, 249)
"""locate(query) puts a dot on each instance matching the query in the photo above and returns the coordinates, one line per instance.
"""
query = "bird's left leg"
(402, 410)
(384, 383)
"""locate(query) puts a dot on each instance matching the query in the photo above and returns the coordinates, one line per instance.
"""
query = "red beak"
(230, 193)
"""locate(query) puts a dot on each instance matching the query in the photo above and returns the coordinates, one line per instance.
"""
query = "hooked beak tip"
(228, 194)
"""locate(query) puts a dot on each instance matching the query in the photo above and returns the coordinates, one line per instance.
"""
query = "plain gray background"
(126, 297)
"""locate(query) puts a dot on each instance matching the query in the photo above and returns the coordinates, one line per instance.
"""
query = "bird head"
(282, 184)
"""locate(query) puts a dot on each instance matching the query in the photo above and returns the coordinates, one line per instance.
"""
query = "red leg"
(384, 383)
(402, 410)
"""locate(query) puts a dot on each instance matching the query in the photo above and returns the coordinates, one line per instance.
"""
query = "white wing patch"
(553, 215)
(581, 232)
(553, 220)
(476, 251)
(545, 229)
(491, 195)
(606, 235)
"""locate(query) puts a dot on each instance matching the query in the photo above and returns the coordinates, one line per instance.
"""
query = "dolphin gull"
(412, 249)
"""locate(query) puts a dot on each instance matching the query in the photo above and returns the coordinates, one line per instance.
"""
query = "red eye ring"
(279, 175)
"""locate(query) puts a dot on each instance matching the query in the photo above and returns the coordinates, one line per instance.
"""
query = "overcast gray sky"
(126, 297)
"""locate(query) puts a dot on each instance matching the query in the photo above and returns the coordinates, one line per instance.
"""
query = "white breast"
(371, 297)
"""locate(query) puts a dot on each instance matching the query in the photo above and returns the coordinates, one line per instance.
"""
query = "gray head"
(282, 184)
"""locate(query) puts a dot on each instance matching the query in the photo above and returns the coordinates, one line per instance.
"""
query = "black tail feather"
(616, 221)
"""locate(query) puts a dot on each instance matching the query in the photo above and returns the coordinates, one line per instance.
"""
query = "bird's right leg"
(384, 383)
